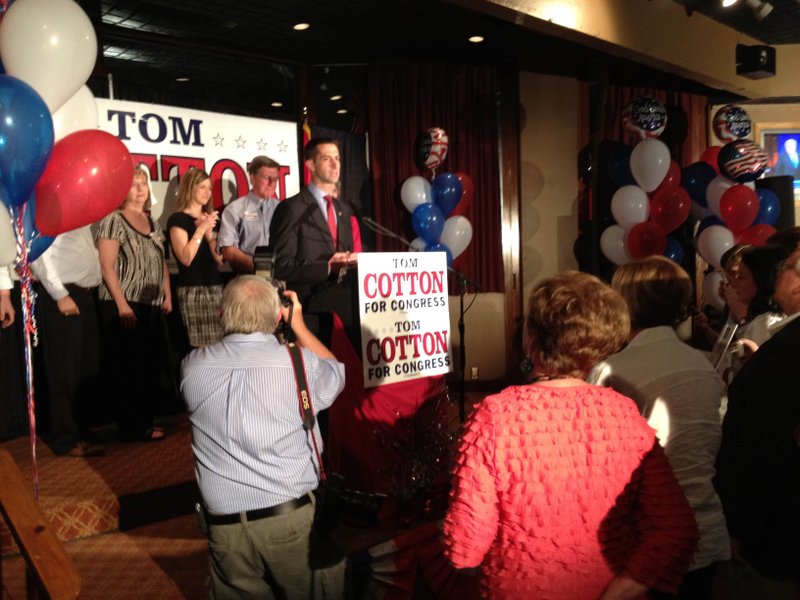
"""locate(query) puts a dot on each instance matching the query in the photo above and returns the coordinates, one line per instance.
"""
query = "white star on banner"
(218, 139)
(240, 142)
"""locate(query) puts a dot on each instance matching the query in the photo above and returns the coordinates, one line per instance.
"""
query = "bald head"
(250, 304)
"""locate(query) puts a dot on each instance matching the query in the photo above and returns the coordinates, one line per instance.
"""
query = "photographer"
(255, 464)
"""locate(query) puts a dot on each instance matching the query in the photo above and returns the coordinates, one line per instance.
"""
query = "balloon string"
(29, 323)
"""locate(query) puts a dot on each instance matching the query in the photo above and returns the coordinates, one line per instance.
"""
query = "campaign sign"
(405, 319)
(169, 141)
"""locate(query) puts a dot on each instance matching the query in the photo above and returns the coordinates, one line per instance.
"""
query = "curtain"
(404, 100)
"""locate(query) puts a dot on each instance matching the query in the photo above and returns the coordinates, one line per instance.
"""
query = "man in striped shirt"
(255, 464)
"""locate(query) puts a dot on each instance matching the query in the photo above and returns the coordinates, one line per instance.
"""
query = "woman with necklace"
(560, 488)
(194, 244)
(134, 292)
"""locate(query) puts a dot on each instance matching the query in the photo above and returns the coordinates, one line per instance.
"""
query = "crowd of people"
(631, 465)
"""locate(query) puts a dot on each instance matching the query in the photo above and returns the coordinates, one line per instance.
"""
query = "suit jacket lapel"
(319, 220)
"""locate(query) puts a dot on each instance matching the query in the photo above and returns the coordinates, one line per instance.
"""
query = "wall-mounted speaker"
(755, 62)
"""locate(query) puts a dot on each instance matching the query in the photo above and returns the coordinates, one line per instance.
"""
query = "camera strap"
(304, 398)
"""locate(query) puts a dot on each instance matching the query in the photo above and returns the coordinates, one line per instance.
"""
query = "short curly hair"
(574, 321)
(658, 291)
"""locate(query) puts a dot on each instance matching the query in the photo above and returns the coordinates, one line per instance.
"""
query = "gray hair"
(249, 304)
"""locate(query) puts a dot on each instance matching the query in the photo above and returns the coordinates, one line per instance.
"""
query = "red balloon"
(672, 178)
(738, 207)
(710, 156)
(466, 195)
(670, 207)
(756, 235)
(88, 175)
(646, 239)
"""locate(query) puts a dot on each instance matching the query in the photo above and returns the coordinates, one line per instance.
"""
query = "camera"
(264, 264)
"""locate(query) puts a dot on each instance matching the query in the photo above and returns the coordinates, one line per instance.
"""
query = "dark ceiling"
(780, 26)
(242, 56)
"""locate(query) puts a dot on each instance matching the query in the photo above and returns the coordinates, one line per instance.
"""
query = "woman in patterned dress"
(194, 244)
(134, 293)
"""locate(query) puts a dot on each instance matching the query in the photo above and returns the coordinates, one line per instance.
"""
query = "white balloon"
(712, 243)
(711, 283)
(612, 243)
(630, 205)
(649, 163)
(8, 242)
(457, 234)
(714, 191)
(416, 190)
(418, 245)
(78, 113)
(50, 45)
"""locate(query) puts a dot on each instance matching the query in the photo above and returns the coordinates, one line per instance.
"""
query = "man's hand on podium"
(342, 260)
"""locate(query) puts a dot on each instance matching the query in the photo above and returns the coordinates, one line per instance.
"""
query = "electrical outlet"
(474, 372)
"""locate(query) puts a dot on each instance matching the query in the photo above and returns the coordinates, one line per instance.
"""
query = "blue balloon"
(769, 208)
(440, 247)
(37, 243)
(446, 191)
(695, 179)
(619, 165)
(26, 139)
(708, 222)
(674, 250)
(428, 222)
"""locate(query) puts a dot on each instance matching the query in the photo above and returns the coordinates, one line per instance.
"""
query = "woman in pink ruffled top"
(561, 489)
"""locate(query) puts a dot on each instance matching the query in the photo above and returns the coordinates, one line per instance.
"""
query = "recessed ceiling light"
(301, 26)
(276, 104)
(336, 97)
(182, 79)
(727, 3)
(341, 111)
(476, 39)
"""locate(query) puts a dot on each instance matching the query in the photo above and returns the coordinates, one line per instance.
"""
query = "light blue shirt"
(319, 196)
(250, 448)
(245, 223)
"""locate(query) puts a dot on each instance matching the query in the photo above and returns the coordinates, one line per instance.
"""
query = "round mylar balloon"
(612, 243)
(742, 160)
(732, 123)
(630, 206)
(430, 148)
(712, 243)
(416, 190)
(457, 234)
(645, 117)
(49, 44)
(650, 162)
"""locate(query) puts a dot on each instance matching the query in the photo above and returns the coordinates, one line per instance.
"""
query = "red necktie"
(332, 221)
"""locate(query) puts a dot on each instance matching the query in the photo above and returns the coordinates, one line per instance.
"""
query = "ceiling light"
(728, 3)
(760, 9)
(301, 26)
(336, 98)
(475, 39)
(341, 111)
(182, 79)
(277, 105)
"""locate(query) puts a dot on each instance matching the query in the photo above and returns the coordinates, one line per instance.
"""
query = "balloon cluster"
(726, 203)
(57, 170)
(438, 207)
(650, 202)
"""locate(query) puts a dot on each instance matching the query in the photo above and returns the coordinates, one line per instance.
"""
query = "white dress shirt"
(72, 258)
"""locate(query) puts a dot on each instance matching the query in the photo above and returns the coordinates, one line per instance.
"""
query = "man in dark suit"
(311, 232)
